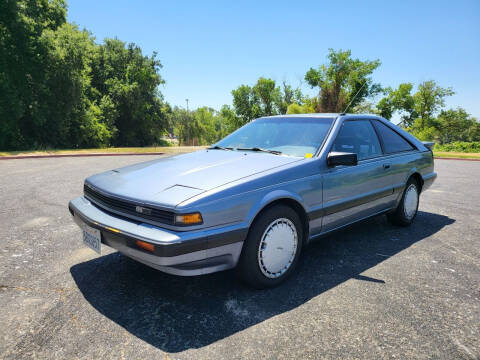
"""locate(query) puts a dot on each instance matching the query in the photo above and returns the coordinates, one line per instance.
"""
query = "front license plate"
(92, 238)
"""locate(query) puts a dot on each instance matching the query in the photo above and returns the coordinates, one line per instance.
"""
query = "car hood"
(172, 180)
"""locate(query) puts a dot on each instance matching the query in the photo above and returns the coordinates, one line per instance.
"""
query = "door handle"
(386, 166)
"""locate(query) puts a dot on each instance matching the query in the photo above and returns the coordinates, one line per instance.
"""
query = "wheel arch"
(283, 198)
(415, 175)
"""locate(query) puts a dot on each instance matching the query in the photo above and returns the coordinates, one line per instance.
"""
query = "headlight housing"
(188, 219)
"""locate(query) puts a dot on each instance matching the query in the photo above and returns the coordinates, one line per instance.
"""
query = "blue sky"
(208, 48)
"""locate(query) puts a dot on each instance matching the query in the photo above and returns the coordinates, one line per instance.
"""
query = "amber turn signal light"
(145, 246)
(188, 219)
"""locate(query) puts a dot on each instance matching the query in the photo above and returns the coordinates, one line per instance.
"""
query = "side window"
(358, 137)
(392, 142)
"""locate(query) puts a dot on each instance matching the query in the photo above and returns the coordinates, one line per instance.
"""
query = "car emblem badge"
(142, 210)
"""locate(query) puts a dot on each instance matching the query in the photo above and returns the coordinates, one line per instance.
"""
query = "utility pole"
(188, 126)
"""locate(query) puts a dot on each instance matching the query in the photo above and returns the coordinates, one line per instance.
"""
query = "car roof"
(311, 115)
(326, 115)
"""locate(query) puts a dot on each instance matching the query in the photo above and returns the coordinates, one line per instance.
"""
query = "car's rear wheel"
(272, 248)
(407, 209)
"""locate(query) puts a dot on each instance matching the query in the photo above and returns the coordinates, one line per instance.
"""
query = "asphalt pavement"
(370, 291)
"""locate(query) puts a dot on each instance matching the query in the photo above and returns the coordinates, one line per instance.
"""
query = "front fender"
(269, 198)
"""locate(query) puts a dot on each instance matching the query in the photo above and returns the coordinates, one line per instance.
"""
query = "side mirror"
(341, 158)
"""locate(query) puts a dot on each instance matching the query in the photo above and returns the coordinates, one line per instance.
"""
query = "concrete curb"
(74, 155)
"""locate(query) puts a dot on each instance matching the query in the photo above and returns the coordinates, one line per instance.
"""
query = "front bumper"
(181, 253)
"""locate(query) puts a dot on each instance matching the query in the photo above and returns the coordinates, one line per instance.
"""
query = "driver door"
(351, 193)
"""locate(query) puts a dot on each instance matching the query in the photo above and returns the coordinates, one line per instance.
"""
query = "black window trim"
(375, 130)
(380, 140)
(325, 138)
(414, 148)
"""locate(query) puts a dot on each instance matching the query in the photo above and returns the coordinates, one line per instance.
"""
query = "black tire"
(248, 268)
(399, 215)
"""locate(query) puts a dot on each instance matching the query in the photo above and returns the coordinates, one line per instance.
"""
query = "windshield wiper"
(216, 147)
(275, 152)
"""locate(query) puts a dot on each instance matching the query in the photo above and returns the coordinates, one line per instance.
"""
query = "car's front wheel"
(272, 248)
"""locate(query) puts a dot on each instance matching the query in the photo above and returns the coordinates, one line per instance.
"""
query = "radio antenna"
(351, 101)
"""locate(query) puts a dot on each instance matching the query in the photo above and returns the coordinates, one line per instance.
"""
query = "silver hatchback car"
(256, 198)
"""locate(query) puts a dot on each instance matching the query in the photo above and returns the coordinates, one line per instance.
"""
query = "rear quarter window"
(392, 142)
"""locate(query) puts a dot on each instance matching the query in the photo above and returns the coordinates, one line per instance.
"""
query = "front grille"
(127, 207)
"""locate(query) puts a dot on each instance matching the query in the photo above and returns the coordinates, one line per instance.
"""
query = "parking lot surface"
(370, 291)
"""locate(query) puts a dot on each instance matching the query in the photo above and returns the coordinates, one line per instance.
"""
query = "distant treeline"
(60, 89)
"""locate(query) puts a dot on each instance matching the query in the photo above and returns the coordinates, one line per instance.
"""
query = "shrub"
(460, 146)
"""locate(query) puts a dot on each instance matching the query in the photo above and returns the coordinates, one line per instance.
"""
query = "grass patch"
(460, 155)
(119, 150)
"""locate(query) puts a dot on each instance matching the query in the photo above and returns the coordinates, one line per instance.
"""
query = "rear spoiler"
(429, 144)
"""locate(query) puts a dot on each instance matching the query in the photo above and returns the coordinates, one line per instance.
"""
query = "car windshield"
(293, 136)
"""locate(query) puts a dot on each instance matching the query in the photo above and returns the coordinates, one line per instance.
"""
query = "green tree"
(265, 98)
(429, 99)
(60, 89)
(268, 96)
(424, 133)
(305, 106)
(23, 67)
(451, 126)
(289, 96)
(342, 81)
(229, 120)
(246, 104)
(128, 80)
(457, 125)
(365, 107)
(423, 105)
(200, 127)
(181, 121)
(205, 123)
(400, 100)
(74, 119)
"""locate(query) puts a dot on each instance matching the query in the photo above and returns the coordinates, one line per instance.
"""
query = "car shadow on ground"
(178, 313)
